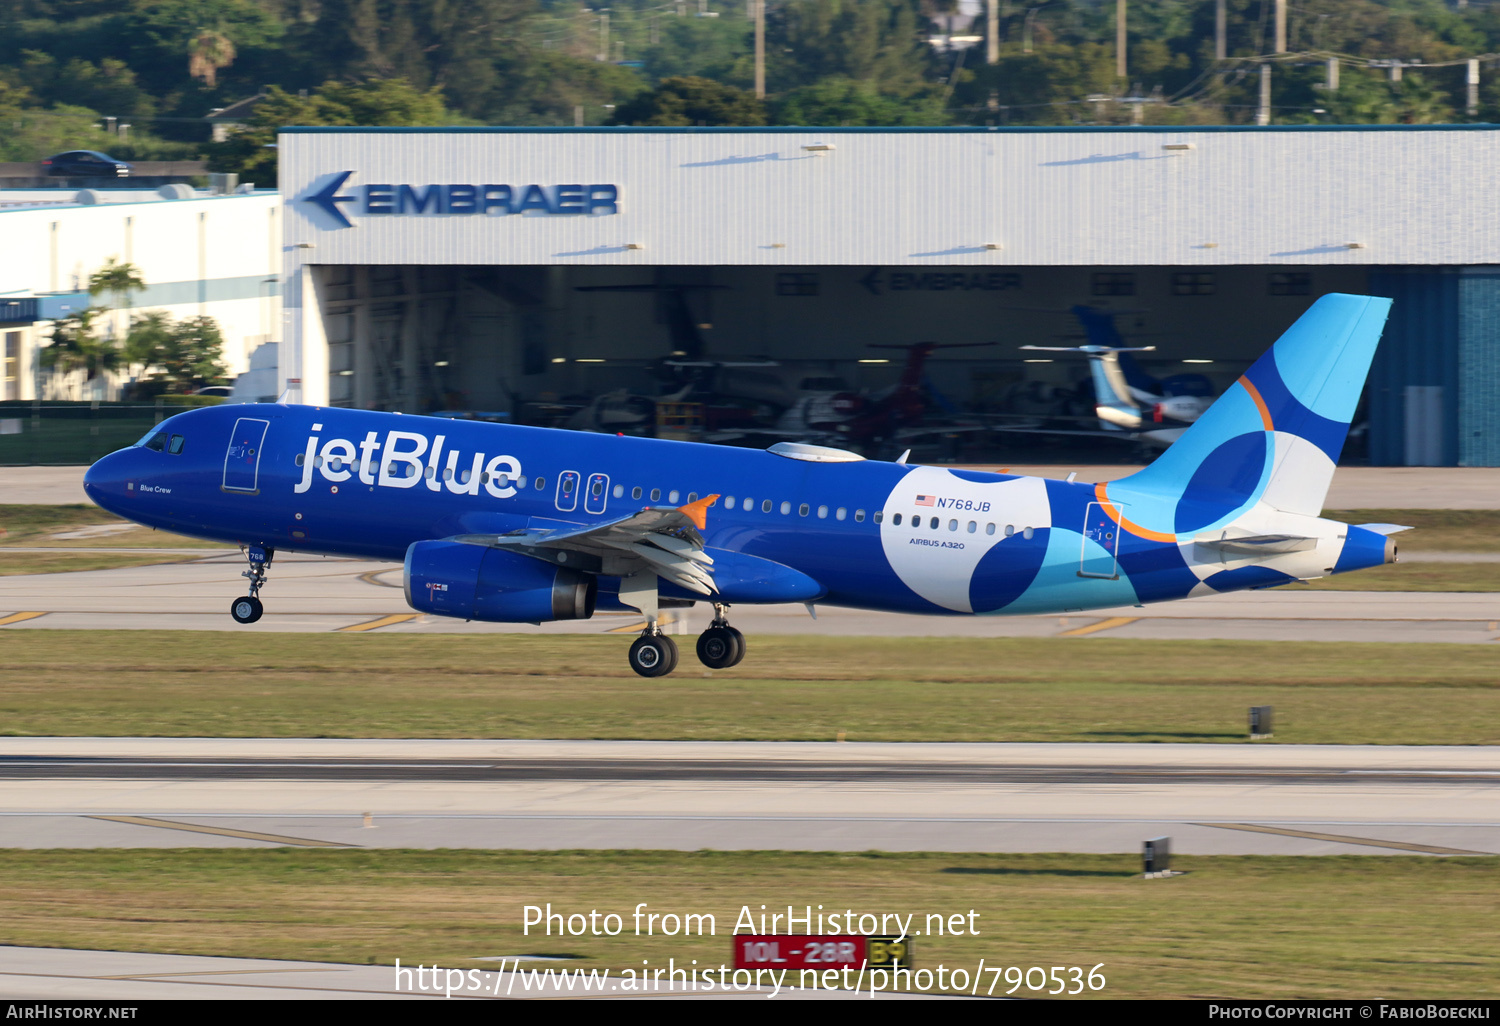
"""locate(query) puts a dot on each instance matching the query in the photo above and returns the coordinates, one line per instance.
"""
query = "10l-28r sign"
(834, 951)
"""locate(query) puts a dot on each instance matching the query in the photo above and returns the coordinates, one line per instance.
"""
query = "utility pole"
(1473, 105)
(1281, 26)
(992, 33)
(760, 49)
(1221, 31)
(1331, 75)
(1263, 115)
(603, 36)
(1120, 38)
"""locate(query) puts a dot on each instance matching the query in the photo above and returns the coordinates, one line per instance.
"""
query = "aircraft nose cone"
(105, 482)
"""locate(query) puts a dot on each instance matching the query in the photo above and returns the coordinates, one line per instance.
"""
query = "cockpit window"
(174, 445)
(156, 442)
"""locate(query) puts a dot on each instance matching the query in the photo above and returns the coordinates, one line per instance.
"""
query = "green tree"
(841, 101)
(878, 42)
(251, 152)
(181, 356)
(692, 101)
(77, 346)
(118, 279)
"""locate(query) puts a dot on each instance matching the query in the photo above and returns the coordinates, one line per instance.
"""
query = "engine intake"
(475, 582)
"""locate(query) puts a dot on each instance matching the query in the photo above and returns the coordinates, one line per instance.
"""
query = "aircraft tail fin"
(1275, 435)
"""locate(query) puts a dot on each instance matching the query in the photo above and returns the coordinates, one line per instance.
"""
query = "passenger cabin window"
(541, 483)
(879, 515)
(619, 491)
(896, 519)
(656, 495)
(729, 502)
(859, 516)
(765, 507)
(635, 493)
(786, 508)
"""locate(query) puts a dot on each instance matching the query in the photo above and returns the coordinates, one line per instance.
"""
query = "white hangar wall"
(218, 256)
(1401, 194)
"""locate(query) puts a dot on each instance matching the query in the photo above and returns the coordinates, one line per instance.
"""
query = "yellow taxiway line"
(1102, 625)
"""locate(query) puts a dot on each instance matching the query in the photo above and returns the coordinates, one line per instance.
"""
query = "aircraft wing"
(664, 539)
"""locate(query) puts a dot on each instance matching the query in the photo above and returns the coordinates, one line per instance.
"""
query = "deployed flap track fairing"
(491, 524)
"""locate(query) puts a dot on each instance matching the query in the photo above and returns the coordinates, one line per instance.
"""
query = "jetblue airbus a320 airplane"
(524, 525)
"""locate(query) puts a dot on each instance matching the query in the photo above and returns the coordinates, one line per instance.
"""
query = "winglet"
(697, 512)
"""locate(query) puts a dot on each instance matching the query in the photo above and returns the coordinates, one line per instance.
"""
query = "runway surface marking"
(375, 625)
(19, 617)
(248, 835)
(1102, 625)
(1428, 849)
(213, 972)
(373, 577)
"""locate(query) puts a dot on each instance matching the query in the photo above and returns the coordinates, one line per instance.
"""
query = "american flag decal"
(926, 500)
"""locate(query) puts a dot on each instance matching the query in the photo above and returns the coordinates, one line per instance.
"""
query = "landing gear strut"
(248, 608)
(721, 646)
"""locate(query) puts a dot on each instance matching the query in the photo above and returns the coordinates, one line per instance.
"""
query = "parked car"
(223, 391)
(86, 164)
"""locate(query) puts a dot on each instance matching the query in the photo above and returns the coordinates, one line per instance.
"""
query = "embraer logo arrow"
(328, 198)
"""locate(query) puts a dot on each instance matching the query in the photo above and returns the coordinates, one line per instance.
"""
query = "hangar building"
(497, 269)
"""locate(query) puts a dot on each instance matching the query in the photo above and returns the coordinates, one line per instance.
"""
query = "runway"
(59, 974)
(1211, 799)
(314, 593)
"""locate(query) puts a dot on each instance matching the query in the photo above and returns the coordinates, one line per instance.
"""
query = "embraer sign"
(458, 200)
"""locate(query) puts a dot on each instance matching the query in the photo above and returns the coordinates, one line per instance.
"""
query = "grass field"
(165, 683)
(1407, 576)
(1435, 530)
(1262, 927)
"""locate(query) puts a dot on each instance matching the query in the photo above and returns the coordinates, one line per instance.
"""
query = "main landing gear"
(721, 646)
(655, 655)
(248, 608)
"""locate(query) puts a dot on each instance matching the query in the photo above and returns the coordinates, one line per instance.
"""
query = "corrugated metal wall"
(1415, 195)
(1478, 406)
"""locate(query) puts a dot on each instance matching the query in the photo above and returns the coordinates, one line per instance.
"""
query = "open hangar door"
(541, 344)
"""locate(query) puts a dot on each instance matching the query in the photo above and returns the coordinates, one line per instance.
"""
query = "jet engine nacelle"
(475, 582)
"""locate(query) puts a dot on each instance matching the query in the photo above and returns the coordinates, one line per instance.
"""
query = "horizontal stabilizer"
(1264, 545)
(1385, 529)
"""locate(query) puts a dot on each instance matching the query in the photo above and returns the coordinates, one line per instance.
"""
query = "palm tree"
(76, 347)
(117, 279)
(209, 51)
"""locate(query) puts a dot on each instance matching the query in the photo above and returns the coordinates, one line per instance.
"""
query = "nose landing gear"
(248, 608)
(721, 646)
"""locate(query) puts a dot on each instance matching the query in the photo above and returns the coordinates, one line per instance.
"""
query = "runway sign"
(835, 951)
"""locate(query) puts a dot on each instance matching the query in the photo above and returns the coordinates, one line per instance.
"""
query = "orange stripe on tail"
(1113, 511)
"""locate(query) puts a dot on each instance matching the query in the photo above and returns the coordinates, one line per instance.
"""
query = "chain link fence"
(76, 433)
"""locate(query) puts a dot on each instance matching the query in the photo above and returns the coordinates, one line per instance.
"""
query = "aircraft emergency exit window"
(822, 512)
(896, 519)
(786, 508)
(656, 495)
(619, 491)
(802, 509)
(597, 488)
(840, 513)
(635, 493)
(567, 486)
(765, 507)
(175, 445)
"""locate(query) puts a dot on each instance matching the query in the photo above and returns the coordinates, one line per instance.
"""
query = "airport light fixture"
(1180, 146)
(874, 361)
(819, 149)
(1197, 361)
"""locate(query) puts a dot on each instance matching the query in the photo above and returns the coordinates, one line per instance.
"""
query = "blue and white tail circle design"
(526, 525)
